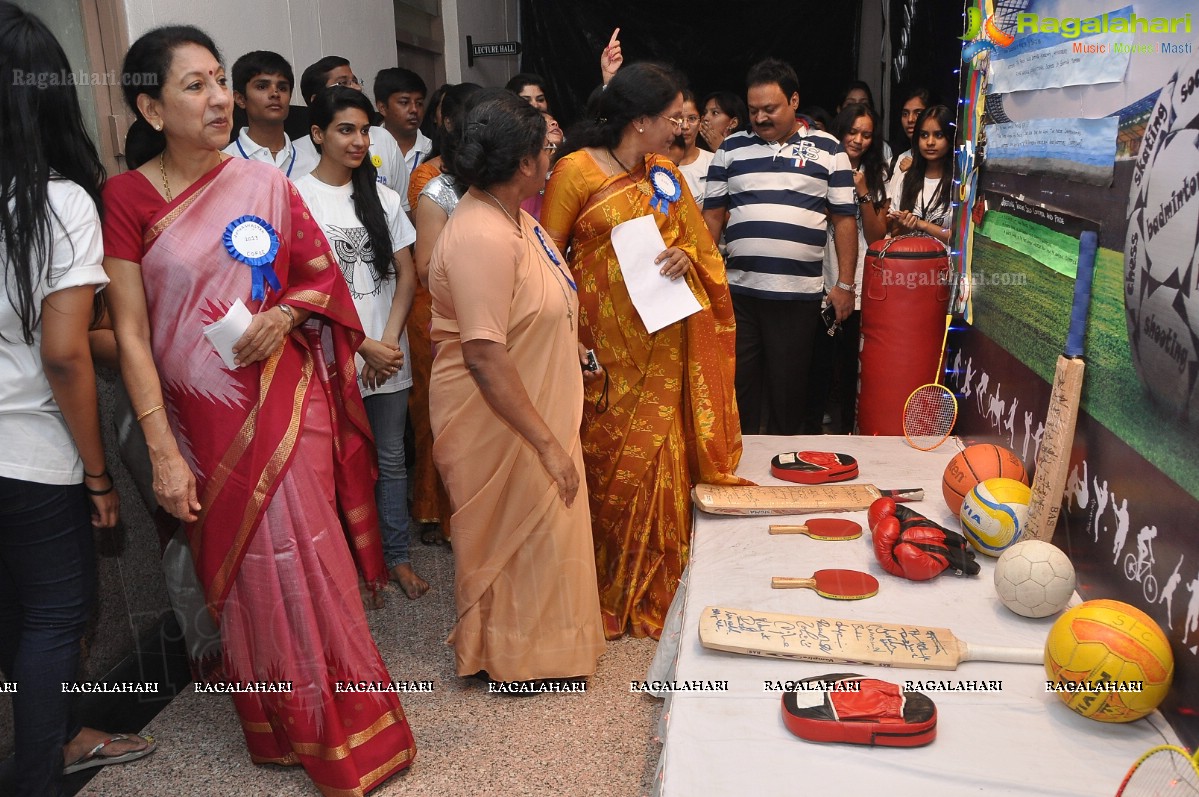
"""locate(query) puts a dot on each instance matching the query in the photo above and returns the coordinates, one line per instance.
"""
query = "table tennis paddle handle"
(779, 582)
(780, 529)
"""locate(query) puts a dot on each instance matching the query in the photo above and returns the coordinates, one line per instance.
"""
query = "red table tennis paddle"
(841, 585)
(823, 529)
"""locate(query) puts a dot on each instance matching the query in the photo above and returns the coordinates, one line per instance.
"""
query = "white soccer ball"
(1034, 578)
(1161, 249)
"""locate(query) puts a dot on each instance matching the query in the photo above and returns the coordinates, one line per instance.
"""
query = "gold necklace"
(162, 166)
(642, 185)
(519, 230)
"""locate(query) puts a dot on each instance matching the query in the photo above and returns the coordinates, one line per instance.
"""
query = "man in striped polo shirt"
(778, 185)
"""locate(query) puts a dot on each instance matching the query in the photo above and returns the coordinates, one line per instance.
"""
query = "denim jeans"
(388, 414)
(47, 577)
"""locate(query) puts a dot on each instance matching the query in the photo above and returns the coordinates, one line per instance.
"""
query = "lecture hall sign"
(489, 50)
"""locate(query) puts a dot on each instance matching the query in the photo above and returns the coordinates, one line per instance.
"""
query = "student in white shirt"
(400, 97)
(385, 155)
(262, 84)
(693, 162)
(369, 233)
(54, 485)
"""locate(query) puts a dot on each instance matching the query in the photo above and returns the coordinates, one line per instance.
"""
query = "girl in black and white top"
(920, 197)
(370, 234)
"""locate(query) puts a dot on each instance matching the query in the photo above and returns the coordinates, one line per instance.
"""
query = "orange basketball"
(977, 464)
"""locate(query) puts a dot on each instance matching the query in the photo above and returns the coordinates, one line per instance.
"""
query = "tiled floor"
(469, 742)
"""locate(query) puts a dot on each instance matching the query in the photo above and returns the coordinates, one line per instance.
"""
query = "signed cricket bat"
(826, 639)
(1053, 457)
(719, 499)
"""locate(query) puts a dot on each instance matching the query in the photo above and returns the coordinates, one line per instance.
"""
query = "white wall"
(484, 21)
(302, 31)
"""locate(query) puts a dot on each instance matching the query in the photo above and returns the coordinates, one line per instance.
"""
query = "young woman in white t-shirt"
(693, 162)
(54, 486)
(920, 197)
(369, 233)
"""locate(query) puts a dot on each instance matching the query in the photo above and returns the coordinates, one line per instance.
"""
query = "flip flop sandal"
(94, 759)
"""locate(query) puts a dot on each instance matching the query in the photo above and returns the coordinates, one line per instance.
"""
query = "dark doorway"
(713, 42)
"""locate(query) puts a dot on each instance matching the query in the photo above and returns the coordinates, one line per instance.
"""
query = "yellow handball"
(1108, 661)
(994, 513)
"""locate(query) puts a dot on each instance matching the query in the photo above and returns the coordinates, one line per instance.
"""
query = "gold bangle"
(150, 411)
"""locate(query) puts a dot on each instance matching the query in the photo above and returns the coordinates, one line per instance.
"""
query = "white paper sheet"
(659, 300)
(224, 333)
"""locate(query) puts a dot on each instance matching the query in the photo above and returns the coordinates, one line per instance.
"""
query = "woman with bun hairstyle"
(432, 193)
(506, 401)
(262, 449)
(669, 417)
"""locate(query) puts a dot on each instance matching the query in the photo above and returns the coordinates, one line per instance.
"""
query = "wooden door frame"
(106, 37)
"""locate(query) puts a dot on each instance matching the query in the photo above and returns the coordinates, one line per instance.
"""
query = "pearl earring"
(158, 128)
(641, 130)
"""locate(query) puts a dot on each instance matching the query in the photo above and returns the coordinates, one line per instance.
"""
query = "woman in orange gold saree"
(671, 417)
(268, 462)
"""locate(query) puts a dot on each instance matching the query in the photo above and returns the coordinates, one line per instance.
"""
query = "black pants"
(774, 354)
(47, 581)
(833, 379)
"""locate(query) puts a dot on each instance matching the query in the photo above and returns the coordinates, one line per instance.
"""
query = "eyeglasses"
(678, 123)
(550, 147)
(690, 121)
(346, 82)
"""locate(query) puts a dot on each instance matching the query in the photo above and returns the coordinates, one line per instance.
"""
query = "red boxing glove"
(881, 508)
(920, 551)
(886, 535)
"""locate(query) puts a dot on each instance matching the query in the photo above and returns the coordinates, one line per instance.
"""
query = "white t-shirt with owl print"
(333, 208)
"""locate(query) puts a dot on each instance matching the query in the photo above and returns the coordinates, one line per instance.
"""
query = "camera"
(591, 364)
(829, 314)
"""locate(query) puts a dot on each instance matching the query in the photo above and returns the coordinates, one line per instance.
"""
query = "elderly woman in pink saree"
(269, 463)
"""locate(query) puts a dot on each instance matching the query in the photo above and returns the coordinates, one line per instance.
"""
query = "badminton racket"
(1164, 770)
(931, 409)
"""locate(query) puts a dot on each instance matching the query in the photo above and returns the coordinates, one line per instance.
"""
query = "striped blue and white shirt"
(778, 197)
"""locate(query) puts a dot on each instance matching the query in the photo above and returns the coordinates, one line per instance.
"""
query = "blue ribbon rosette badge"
(667, 190)
(253, 241)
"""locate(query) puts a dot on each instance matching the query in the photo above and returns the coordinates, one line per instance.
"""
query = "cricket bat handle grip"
(1088, 243)
(911, 494)
(974, 652)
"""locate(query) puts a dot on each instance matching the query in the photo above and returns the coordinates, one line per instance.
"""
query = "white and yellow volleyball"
(994, 513)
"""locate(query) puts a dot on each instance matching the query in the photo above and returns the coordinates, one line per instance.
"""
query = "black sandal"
(430, 534)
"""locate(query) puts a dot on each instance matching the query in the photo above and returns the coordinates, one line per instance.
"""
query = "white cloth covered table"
(1020, 740)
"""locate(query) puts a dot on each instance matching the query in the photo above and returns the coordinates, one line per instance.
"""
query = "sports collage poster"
(1084, 125)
